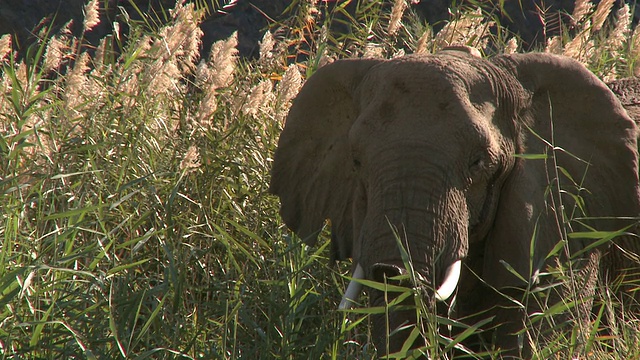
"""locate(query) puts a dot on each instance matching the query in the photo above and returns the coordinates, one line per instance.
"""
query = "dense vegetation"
(134, 215)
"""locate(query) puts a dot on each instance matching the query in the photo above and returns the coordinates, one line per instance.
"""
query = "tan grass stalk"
(620, 32)
(601, 14)
(259, 96)
(581, 9)
(399, 7)
(184, 38)
(512, 46)
(287, 89)
(75, 81)
(266, 46)
(634, 51)
(116, 30)
(581, 47)
(461, 31)
(66, 29)
(175, 51)
(5, 46)
(54, 55)
(373, 51)
(222, 61)
(421, 46)
(190, 161)
(98, 57)
(91, 15)
(215, 74)
(611, 74)
(554, 45)
(208, 106)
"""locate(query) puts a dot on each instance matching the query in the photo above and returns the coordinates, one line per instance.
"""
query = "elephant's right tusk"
(451, 277)
(354, 288)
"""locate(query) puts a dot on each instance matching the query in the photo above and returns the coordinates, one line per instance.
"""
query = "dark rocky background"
(251, 18)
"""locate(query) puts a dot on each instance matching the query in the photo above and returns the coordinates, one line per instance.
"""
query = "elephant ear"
(312, 172)
(576, 140)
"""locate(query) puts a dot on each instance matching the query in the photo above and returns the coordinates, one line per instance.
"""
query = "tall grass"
(135, 220)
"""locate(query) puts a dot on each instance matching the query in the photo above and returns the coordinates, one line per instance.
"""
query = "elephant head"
(458, 157)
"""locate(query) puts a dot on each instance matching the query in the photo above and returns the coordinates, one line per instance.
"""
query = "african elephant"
(482, 168)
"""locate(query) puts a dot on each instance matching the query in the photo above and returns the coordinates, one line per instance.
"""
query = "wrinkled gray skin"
(425, 144)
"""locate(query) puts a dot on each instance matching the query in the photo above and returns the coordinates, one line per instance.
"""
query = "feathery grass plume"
(5, 46)
(75, 84)
(215, 74)
(266, 46)
(57, 47)
(175, 51)
(421, 45)
(222, 61)
(5, 93)
(325, 60)
(373, 51)
(185, 37)
(98, 57)
(399, 7)
(581, 47)
(91, 15)
(634, 51)
(66, 29)
(259, 96)
(581, 9)
(601, 14)
(511, 47)
(133, 75)
(190, 162)
(287, 89)
(620, 33)
(459, 32)
(554, 45)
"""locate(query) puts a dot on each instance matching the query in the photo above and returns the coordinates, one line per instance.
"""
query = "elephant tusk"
(451, 277)
(354, 288)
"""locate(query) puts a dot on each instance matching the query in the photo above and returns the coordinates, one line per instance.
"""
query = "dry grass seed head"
(186, 35)
(461, 31)
(190, 161)
(91, 15)
(373, 51)
(511, 47)
(554, 45)
(289, 86)
(581, 9)
(222, 62)
(581, 47)
(75, 89)
(208, 106)
(266, 46)
(620, 32)
(5, 46)
(259, 96)
(634, 51)
(395, 21)
(601, 14)
(54, 55)
(421, 46)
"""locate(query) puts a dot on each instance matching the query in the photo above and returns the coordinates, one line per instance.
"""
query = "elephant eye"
(356, 164)
(477, 166)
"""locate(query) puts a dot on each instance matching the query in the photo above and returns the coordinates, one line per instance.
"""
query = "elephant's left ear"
(312, 170)
(572, 119)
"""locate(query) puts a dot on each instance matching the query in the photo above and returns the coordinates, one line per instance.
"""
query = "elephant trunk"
(433, 232)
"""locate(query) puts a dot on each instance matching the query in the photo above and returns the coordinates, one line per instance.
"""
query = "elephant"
(484, 172)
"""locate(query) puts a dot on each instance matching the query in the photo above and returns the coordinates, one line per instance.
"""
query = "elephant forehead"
(433, 88)
(443, 75)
